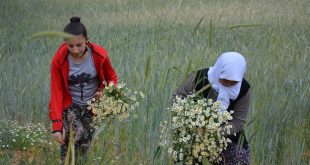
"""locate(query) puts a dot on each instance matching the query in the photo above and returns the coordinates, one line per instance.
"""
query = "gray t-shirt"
(83, 79)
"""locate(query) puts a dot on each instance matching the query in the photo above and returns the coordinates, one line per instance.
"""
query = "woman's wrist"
(57, 131)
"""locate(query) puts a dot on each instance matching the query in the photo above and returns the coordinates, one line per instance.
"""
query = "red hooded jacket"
(60, 97)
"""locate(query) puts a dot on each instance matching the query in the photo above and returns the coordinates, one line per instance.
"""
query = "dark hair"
(75, 27)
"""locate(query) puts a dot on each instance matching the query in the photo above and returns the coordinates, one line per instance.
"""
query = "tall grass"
(153, 45)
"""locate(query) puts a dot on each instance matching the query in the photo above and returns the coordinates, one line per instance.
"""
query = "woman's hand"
(96, 97)
(58, 137)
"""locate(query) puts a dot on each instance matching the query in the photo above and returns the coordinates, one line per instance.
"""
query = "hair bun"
(75, 19)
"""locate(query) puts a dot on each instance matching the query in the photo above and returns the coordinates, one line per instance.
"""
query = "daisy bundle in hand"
(114, 102)
(196, 130)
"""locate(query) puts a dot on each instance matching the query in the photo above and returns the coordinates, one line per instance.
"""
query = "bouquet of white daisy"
(197, 129)
(114, 102)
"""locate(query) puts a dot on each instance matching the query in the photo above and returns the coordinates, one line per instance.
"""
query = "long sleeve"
(240, 113)
(56, 96)
(109, 73)
(186, 87)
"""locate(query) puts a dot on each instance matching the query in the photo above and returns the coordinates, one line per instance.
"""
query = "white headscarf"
(229, 66)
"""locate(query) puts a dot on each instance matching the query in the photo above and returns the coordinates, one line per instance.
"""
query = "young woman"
(78, 70)
(230, 88)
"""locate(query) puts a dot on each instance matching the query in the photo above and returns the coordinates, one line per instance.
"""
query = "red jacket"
(60, 97)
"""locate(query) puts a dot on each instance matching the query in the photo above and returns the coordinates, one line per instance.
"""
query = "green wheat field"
(153, 45)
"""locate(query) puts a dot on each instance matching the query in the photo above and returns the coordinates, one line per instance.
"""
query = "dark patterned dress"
(80, 119)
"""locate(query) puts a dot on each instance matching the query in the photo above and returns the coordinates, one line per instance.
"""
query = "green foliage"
(50, 34)
(14, 136)
(148, 40)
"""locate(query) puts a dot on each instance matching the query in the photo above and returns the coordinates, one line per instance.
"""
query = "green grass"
(152, 45)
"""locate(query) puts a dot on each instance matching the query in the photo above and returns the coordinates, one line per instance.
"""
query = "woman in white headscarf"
(229, 87)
